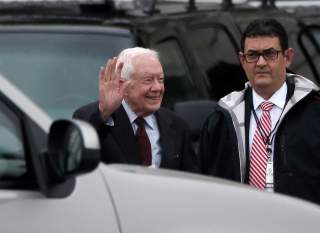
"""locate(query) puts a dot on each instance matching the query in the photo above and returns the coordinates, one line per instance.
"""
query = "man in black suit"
(130, 87)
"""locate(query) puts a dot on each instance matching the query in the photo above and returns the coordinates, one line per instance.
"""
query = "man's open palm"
(110, 88)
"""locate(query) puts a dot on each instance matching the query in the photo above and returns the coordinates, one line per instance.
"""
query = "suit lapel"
(123, 134)
(167, 136)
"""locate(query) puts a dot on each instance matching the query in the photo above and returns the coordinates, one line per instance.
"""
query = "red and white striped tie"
(259, 155)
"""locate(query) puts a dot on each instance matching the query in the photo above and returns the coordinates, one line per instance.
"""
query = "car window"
(58, 68)
(217, 56)
(300, 65)
(310, 43)
(12, 155)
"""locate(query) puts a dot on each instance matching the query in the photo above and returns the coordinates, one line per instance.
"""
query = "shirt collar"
(278, 98)
(150, 119)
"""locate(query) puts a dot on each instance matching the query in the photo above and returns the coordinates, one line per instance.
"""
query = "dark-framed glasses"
(268, 55)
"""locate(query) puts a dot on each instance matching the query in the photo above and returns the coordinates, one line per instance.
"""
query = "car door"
(81, 205)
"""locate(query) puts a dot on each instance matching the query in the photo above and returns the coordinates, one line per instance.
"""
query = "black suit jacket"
(118, 143)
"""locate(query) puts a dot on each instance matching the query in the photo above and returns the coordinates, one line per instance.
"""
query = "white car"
(42, 188)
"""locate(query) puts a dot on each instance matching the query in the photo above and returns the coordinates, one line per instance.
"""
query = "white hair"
(126, 56)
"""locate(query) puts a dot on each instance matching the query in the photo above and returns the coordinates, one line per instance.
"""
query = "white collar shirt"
(279, 100)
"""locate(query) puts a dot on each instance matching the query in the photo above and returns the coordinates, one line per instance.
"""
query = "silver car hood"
(157, 200)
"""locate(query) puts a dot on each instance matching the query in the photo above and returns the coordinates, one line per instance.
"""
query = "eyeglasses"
(268, 55)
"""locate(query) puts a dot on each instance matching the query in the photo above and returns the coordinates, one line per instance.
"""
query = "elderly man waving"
(132, 126)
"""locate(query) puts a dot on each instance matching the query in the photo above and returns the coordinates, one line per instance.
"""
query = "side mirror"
(73, 148)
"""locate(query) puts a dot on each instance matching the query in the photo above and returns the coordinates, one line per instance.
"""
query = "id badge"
(269, 173)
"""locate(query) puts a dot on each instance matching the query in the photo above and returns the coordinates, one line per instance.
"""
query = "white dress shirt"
(278, 99)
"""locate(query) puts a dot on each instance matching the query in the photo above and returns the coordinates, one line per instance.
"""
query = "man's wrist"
(103, 113)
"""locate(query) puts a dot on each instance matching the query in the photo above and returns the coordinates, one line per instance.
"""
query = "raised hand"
(110, 88)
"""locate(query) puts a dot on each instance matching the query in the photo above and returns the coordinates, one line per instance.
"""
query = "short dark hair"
(265, 27)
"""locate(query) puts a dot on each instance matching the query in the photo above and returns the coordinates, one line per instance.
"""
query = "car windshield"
(58, 66)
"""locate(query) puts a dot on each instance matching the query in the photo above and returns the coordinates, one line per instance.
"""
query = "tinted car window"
(299, 64)
(310, 43)
(12, 155)
(58, 68)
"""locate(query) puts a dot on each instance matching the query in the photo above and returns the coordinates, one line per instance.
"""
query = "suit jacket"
(118, 143)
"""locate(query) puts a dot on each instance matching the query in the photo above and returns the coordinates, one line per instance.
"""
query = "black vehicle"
(53, 50)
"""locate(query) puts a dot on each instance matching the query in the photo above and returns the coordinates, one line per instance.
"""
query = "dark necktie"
(143, 142)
